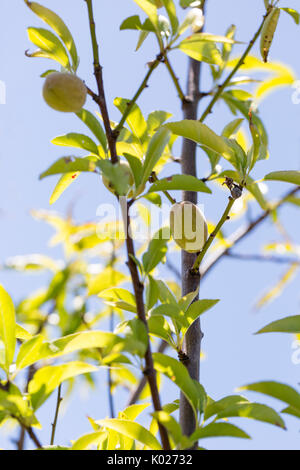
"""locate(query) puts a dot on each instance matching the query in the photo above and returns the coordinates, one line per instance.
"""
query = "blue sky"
(233, 355)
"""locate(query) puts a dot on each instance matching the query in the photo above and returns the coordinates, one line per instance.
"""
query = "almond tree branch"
(100, 98)
(266, 258)
(34, 438)
(239, 64)
(131, 103)
(243, 232)
(138, 287)
(225, 216)
(175, 80)
(58, 402)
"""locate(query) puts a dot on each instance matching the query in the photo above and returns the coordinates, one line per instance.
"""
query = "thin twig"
(34, 438)
(175, 80)
(243, 232)
(224, 218)
(134, 397)
(262, 258)
(100, 99)
(239, 64)
(58, 402)
(131, 103)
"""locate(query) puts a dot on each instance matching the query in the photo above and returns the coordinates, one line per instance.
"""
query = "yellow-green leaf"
(50, 46)
(48, 378)
(58, 25)
(132, 430)
(7, 326)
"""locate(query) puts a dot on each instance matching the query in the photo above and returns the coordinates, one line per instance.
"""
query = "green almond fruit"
(64, 92)
(188, 226)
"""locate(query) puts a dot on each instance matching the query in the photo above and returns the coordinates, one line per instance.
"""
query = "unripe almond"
(127, 172)
(188, 226)
(64, 92)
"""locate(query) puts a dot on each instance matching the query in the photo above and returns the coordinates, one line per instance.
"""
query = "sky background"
(234, 356)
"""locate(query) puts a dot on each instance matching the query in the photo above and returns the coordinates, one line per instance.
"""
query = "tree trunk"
(192, 343)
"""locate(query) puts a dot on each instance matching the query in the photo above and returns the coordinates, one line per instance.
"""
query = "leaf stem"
(58, 402)
(131, 103)
(222, 87)
(224, 218)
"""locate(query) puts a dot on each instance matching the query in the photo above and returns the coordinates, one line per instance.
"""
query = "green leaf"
(132, 22)
(119, 298)
(17, 406)
(48, 378)
(22, 334)
(58, 25)
(136, 168)
(277, 390)
(37, 348)
(216, 407)
(293, 13)
(201, 50)
(203, 135)
(7, 326)
(135, 119)
(268, 31)
(286, 325)
(178, 374)
(157, 119)
(171, 10)
(132, 430)
(291, 411)
(254, 411)
(173, 311)
(94, 125)
(170, 424)
(80, 141)
(155, 149)
(156, 250)
(195, 310)
(88, 440)
(70, 165)
(50, 46)
(133, 411)
(286, 176)
(186, 301)
(179, 182)
(159, 327)
(150, 10)
(63, 183)
(219, 430)
(107, 278)
(232, 128)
